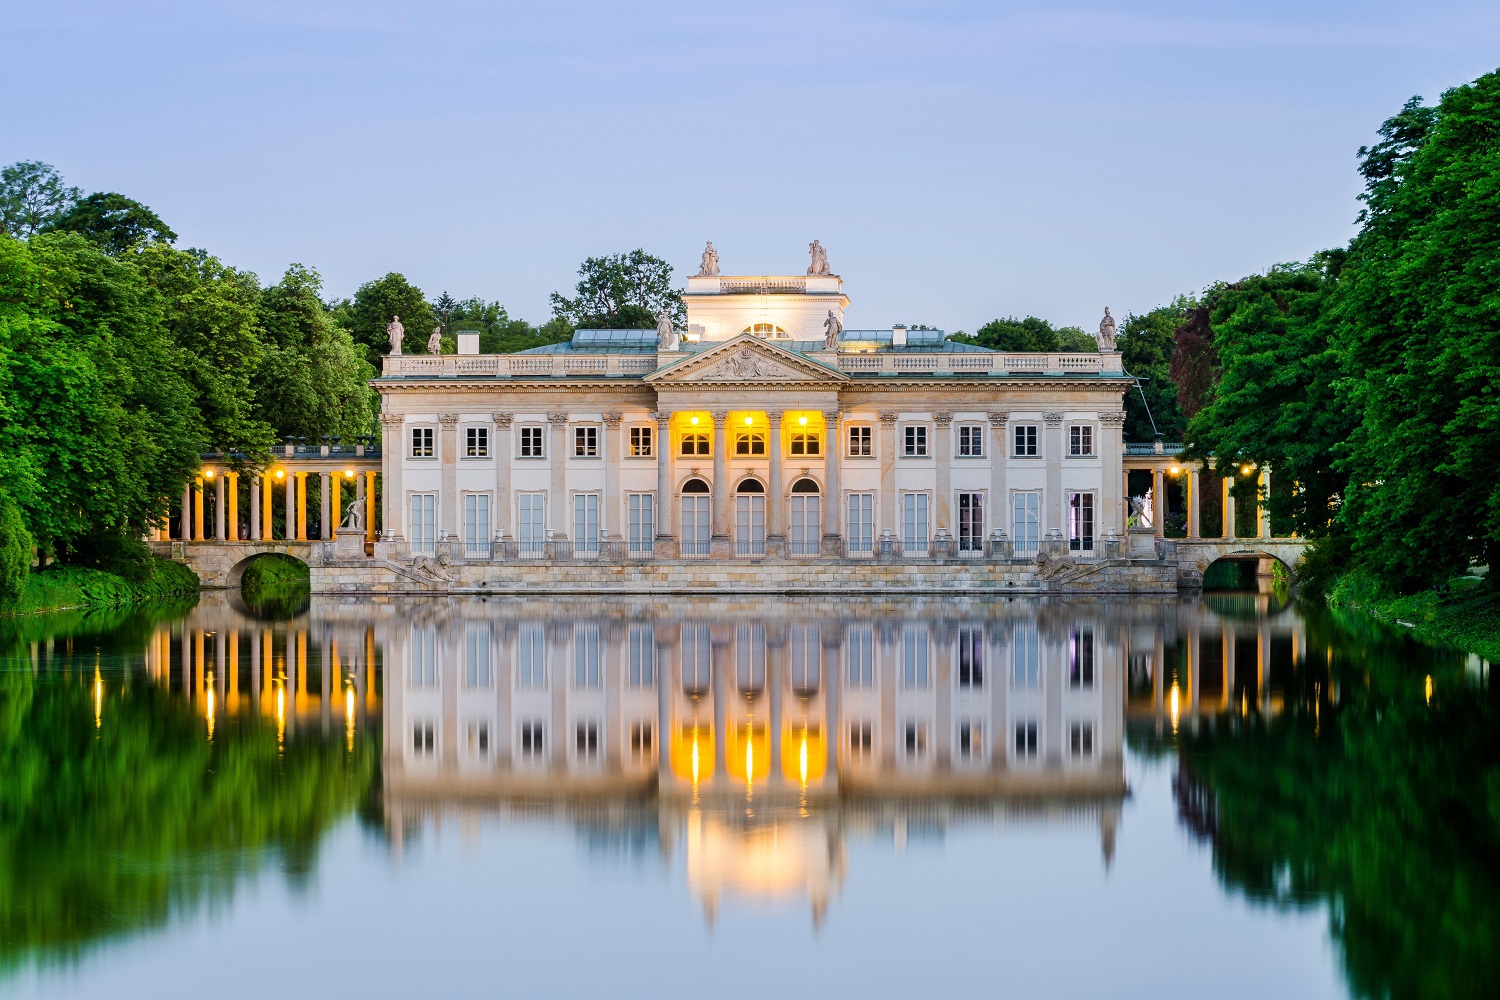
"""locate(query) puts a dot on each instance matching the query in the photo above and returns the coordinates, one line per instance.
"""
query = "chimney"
(898, 336)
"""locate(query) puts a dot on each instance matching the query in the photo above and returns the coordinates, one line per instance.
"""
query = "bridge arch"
(235, 578)
(1197, 555)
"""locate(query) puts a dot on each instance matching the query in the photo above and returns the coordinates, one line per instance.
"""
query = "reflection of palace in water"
(754, 737)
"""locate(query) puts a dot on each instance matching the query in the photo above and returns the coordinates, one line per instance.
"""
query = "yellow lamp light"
(1174, 470)
(348, 473)
(693, 421)
(802, 421)
(280, 473)
(1244, 470)
(208, 473)
(749, 421)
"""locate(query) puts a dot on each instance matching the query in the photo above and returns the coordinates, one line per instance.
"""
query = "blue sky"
(960, 161)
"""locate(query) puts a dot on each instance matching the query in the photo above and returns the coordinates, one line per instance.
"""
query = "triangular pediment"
(746, 360)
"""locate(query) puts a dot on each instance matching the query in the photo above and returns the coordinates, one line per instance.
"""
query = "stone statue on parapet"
(356, 519)
(831, 330)
(395, 331)
(666, 336)
(1107, 331)
(435, 342)
(710, 265)
(819, 263)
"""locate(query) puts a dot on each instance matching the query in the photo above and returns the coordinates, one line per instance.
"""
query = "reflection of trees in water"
(1377, 803)
(110, 830)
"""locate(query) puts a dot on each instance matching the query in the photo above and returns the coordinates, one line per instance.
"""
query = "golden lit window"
(805, 444)
(766, 331)
(694, 444)
(750, 443)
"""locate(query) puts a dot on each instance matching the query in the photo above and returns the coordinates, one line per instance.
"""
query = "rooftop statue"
(435, 342)
(710, 265)
(1107, 331)
(831, 330)
(819, 263)
(395, 331)
(666, 336)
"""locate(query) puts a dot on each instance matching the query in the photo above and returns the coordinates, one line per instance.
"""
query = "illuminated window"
(421, 442)
(694, 444)
(476, 442)
(806, 444)
(640, 442)
(532, 442)
(750, 443)
(766, 331)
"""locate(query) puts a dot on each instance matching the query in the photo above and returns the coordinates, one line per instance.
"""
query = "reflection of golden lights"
(1176, 702)
(802, 759)
(749, 762)
(349, 715)
(210, 706)
(1429, 689)
(695, 762)
(98, 698)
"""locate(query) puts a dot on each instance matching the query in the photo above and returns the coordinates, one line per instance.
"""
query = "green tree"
(15, 550)
(1029, 334)
(32, 194)
(499, 333)
(113, 221)
(373, 305)
(621, 291)
(1145, 342)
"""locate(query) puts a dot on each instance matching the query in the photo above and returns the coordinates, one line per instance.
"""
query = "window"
(641, 510)
(533, 739)
(586, 656)
(1080, 440)
(1026, 441)
(859, 649)
(532, 439)
(586, 741)
(916, 441)
(971, 522)
(861, 442)
(1081, 522)
(476, 525)
(423, 739)
(861, 740)
(696, 519)
(421, 442)
(1081, 658)
(641, 740)
(1026, 657)
(1026, 523)
(424, 657)
(750, 443)
(640, 442)
(970, 440)
(1081, 739)
(750, 519)
(477, 672)
(697, 654)
(640, 670)
(806, 444)
(971, 657)
(915, 743)
(916, 672)
(531, 520)
(585, 442)
(694, 444)
(586, 523)
(531, 656)
(1026, 740)
(477, 739)
(914, 522)
(861, 527)
(424, 524)
(476, 442)
(970, 740)
(750, 658)
(805, 535)
(805, 659)
(765, 331)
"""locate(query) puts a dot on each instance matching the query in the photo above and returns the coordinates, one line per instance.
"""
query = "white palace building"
(763, 434)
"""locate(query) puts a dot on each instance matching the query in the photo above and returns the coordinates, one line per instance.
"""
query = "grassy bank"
(1467, 617)
(64, 587)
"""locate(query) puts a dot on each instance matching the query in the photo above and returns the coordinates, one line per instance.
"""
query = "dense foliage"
(621, 291)
(1029, 334)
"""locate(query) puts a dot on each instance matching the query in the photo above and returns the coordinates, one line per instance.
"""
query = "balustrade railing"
(618, 365)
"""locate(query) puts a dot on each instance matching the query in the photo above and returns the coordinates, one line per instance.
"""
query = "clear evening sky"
(960, 161)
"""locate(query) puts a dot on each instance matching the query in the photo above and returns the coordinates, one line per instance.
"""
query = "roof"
(645, 342)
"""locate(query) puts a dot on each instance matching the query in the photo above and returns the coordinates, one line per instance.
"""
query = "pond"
(1227, 796)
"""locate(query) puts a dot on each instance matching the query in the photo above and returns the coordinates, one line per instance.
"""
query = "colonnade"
(210, 507)
(1193, 482)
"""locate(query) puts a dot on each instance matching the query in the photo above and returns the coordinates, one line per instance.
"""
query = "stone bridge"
(1195, 555)
(221, 565)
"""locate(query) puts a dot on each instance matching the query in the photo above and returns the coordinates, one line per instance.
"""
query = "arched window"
(694, 444)
(805, 529)
(750, 518)
(766, 331)
(806, 443)
(750, 486)
(805, 485)
(695, 520)
(695, 486)
(750, 443)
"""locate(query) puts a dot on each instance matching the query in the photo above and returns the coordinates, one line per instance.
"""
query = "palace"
(763, 431)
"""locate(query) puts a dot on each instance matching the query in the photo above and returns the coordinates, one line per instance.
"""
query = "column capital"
(888, 418)
(1115, 418)
(831, 417)
(999, 417)
(1052, 418)
(449, 420)
(613, 418)
(661, 416)
(719, 416)
(392, 419)
(942, 418)
(503, 420)
(774, 416)
(557, 417)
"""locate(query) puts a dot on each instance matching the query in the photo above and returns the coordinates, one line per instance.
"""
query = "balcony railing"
(693, 550)
(880, 363)
(750, 548)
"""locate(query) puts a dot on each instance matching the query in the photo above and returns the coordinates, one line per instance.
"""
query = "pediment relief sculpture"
(747, 364)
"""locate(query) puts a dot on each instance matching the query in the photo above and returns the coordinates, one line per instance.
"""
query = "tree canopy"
(621, 291)
(113, 221)
(32, 194)
(373, 305)
(1029, 334)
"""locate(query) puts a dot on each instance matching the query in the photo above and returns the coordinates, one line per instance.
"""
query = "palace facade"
(762, 431)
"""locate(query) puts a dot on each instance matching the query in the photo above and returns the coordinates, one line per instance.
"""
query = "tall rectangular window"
(424, 524)
(805, 659)
(1081, 740)
(585, 442)
(804, 443)
(861, 740)
(697, 659)
(971, 522)
(533, 441)
(861, 526)
(1026, 739)
(641, 515)
(1025, 437)
(476, 442)
(859, 651)
(531, 656)
(1026, 657)
(531, 520)
(641, 439)
(586, 672)
(477, 673)
(533, 739)
(914, 522)
(640, 668)
(423, 739)
(916, 671)
(586, 523)
(421, 442)
(1081, 658)
(1026, 522)
(916, 441)
(971, 657)
(970, 740)
(861, 442)
(750, 658)
(1081, 522)
(1080, 440)
(970, 440)
(424, 668)
(476, 525)
(641, 738)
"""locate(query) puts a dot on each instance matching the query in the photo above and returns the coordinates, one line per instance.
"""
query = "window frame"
(476, 441)
(539, 432)
(1082, 434)
(640, 441)
(586, 442)
(430, 432)
(1026, 441)
(866, 435)
(913, 435)
(701, 438)
(811, 442)
(749, 439)
(970, 437)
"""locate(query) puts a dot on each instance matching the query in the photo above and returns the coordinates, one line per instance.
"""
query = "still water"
(463, 797)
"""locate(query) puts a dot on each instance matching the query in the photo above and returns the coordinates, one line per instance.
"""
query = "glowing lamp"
(1174, 470)
(208, 473)
(802, 421)
(280, 473)
(348, 473)
(749, 421)
(694, 421)
(1244, 470)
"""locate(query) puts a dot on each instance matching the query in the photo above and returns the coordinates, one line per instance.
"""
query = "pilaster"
(887, 499)
(665, 545)
(1112, 458)
(999, 515)
(775, 495)
(610, 502)
(502, 445)
(1054, 516)
(719, 544)
(448, 499)
(557, 461)
(942, 507)
(392, 458)
(833, 497)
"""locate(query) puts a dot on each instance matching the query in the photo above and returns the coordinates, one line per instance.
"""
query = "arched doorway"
(805, 535)
(695, 518)
(750, 518)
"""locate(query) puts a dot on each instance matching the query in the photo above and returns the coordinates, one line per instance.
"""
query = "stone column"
(261, 498)
(665, 545)
(301, 506)
(392, 457)
(1263, 506)
(234, 506)
(185, 518)
(291, 508)
(557, 458)
(942, 507)
(999, 515)
(502, 442)
(609, 504)
(887, 498)
(1192, 504)
(448, 498)
(366, 496)
(1158, 501)
(1054, 504)
(833, 496)
(1229, 526)
(719, 544)
(220, 514)
(200, 534)
(1112, 455)
(776, 491)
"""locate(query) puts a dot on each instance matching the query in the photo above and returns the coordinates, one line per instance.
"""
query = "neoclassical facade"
(763, 431)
